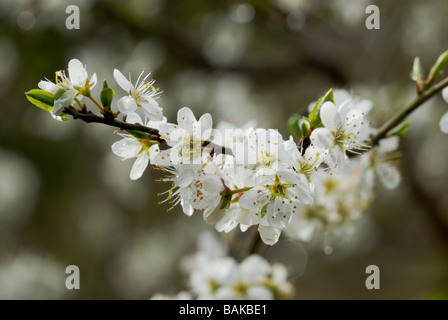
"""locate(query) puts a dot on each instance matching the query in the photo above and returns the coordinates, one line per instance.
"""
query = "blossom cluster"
(214, 275)
(320, 178)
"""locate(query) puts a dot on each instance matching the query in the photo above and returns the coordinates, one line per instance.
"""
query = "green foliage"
(41, 99)
(314, 118)
(437, 68)
(401, 129)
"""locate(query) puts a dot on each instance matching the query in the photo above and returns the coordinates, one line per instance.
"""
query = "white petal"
(186, 119)
(124, 83)
(77, 73)
(185, 176)
(139, 166)
(133, 117)
(205, 124)
(226, 223)
(64, 101)
(389, 176)
(126, 105)
(344, 108)
(445, 94)
(278, 213)
(322, 138)
(153, 152)
(443, 124)
(162, 158)
(269, 235)
(48, 86)
(126, 148)
(93, 80)
(330, 116)
(250, 199)
(152, 109)
(389, 144)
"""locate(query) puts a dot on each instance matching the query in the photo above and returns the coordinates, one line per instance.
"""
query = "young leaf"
(293, 125)
(41, 99)
(400, 130)
(314, 117)
(106, 96)
(137, 134)
(417, 70)
(438, 67)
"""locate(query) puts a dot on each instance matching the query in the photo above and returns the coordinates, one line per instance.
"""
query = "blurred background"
(66, 199)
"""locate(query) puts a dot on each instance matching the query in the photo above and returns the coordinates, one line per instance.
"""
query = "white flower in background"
(142, 150)
(183, 295)
(142, 94)
(214, 275)
(385, 160)
(77, 82)
(185, 139)
(339, 202)
(443, 124)
(344, 130)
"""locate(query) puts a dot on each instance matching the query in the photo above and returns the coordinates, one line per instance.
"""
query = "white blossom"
(143, 94)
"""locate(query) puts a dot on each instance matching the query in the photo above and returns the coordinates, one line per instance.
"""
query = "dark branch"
(89, 117)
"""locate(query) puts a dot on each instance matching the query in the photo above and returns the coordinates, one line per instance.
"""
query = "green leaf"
(304, 126)
(401, 129)
(41, 98)
(137, 134)
(438, 67)
(106, 96)
(314, 117)
(293, 125)
(417, 70)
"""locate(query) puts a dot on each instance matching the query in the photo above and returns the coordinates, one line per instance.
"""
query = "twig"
(89, 117)
(406, 111)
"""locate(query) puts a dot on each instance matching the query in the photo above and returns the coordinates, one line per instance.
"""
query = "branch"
(417, 102)
(89, 117)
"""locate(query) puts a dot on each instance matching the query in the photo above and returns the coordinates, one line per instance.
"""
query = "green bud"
(106, 96)
(437, 68)
(105, 84)
(417, 70)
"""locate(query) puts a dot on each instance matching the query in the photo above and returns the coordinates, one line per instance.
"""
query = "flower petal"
(186, 119)
(139, 166)
(330, 116)
(152, 109)
(443, 124)
(124, 83)
(77, 73)
(126, 148)
(126, 105)
(205, 124)
(269, 235)
(48, 86)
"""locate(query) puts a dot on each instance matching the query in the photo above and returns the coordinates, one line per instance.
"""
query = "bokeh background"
(66, 199)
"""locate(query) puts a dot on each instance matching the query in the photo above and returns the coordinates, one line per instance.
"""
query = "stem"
(239, 190)
(406, 111)
(90, 117)
(96, 103)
